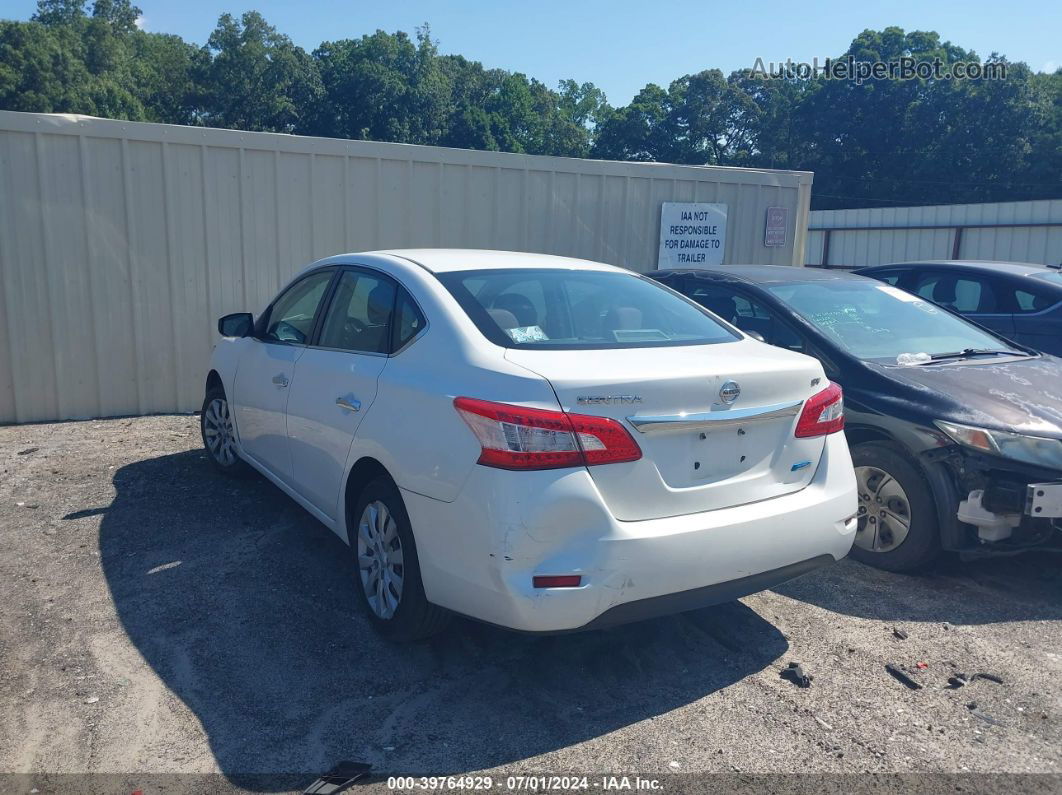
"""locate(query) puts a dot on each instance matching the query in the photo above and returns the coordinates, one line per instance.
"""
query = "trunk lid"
(699, 453)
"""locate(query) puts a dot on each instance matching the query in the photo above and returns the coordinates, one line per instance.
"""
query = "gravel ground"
(158, 619)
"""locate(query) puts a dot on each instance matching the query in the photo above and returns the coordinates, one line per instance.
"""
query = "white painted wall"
(122, 243)
(865, 243)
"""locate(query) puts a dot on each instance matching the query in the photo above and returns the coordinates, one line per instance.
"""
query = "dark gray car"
(956, 434)
(1018, 300)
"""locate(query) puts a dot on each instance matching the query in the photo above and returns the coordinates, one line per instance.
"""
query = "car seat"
(944, 292)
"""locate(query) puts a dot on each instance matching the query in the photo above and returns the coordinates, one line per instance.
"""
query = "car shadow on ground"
(244, 606)
(1025, 587)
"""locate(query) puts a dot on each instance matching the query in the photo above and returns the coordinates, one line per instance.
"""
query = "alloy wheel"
(884, 510)
(380, 559)
(218, 432)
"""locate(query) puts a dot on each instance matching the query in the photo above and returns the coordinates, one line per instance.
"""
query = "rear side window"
(1029, 300)
(959, 293)
(408, 320)
(359, 317)
(559, 308)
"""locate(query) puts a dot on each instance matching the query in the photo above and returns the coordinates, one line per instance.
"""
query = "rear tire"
(898, 527)
(219, 434)
(386, 567)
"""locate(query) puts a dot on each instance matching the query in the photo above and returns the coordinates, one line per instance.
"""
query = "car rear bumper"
(697, 598)
(478, 554)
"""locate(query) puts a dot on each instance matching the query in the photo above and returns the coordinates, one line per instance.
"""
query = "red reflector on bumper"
(557, 581)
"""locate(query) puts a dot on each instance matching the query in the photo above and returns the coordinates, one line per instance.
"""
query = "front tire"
(219, 433)
(898, 527)
(387, 569)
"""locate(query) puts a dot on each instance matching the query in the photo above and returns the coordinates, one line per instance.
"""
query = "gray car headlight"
(1037, 450)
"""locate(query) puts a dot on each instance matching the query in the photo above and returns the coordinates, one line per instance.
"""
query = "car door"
(1037, 315)
(267, 368)
(336, 380)
(977, 296)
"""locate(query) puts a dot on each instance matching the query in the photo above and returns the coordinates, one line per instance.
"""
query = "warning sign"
(691, 233)
(777, 222)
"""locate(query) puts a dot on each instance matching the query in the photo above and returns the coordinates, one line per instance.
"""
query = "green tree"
(256, 79)
(59, 12)
(120, 15)
(383, 87)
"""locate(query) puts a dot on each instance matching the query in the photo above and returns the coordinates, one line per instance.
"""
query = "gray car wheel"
(219, 433)
(898, 526)
(387, 579)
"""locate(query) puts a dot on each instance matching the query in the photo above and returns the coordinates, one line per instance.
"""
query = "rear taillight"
(823, 413)
(514, 437)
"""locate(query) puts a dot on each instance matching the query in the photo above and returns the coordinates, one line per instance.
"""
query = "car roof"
(766, 274)
(984, 266)
(442, 260)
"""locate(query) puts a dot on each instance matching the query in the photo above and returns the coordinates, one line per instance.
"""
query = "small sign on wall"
(777, 223)
(691, 233)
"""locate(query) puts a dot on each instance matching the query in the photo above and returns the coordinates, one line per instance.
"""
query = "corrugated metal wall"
(121, 243)
(1010, 231)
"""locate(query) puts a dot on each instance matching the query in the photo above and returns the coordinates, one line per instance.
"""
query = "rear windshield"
(554, 308)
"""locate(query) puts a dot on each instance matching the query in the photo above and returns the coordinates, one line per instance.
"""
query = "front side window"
(877, 322)
(291, 317)
(359, 317)
(747, 314)
(560, 308)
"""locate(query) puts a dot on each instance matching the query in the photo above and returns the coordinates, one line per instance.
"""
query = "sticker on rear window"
(527, 334)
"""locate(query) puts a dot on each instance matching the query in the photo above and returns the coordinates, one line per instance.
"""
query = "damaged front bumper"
(993, 505)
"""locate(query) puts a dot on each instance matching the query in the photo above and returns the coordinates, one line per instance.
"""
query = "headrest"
(623, 317)
(520, 306)
(944, 291)
(504, 318)
(379, 304)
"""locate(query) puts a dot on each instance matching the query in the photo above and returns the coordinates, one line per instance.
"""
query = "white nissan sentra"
(541, 443)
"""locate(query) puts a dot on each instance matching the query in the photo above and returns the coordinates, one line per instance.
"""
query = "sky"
(620, 45)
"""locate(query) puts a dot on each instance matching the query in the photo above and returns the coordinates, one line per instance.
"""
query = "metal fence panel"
(1009, 231)
(122, 243)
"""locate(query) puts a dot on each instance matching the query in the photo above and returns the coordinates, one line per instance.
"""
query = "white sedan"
(541, 443)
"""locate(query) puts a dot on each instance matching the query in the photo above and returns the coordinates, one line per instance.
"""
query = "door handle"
(280, 380)
(348, 403)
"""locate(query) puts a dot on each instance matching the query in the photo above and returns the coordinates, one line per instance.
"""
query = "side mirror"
(239, 324)
(755, 335)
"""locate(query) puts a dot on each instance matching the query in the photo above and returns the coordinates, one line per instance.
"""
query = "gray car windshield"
(556, 308)
(878, 322)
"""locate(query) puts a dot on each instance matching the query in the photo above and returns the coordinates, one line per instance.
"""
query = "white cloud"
(1049, 67)
(141, 22)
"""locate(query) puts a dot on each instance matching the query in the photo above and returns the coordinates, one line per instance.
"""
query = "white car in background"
(541, 443)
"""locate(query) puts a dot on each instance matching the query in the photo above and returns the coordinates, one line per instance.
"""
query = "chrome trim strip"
(714, 419)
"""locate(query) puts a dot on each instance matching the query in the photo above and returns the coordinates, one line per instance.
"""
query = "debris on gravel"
(795, 673)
